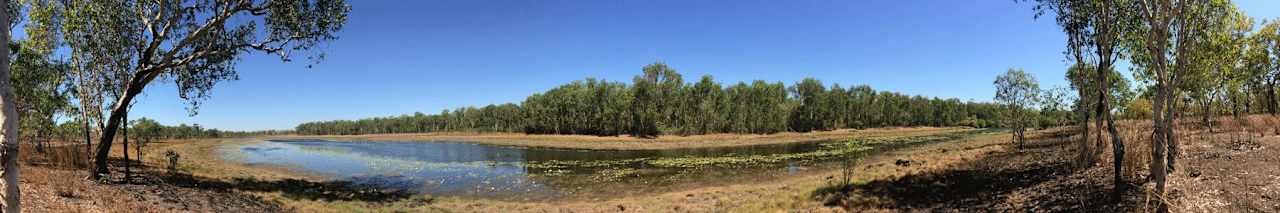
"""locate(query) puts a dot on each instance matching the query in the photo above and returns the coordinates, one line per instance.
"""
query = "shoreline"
(783, 192)
(586, 142)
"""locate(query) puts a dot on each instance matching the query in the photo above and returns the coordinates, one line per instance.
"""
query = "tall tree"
(1213, 60)
(811, 114)
(11, 196)
(193, 43)
(649, 88)
(1267, 40)
(666, 85)
(1017, 91)
(39, 92)
(1169, 32)
(1094, 31)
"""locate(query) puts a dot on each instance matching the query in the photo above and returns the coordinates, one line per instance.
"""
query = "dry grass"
(1137, 136)
(201, 158)
(59, 155)
(1193, 137)
(61, 190)
(56, 181)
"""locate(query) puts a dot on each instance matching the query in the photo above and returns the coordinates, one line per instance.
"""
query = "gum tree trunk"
(1271, 96)
(10, 199)
(88, 139)
(1158, 141)
(109, 131)
(1086, 156)
(1104, 114)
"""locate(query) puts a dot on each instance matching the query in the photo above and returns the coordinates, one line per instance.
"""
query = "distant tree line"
(147, 130)
(659, 102)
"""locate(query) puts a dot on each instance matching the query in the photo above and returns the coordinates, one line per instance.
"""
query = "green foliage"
(145, 130)
(605, 108)
(1083, 77)
(1137, 109)
(1018, 92)
(813, 110)
(39, 91)
(118, 48)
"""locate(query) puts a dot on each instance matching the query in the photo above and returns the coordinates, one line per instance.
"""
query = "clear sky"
(397, 57)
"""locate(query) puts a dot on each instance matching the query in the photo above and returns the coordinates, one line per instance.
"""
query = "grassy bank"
(978, 173)
(776, 193)
(633, 143)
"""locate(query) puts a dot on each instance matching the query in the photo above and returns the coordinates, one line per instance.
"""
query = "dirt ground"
(1232, 169)
(51, 189)
(1038, 178)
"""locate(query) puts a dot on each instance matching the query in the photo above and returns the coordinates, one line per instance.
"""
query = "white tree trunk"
(9, 198)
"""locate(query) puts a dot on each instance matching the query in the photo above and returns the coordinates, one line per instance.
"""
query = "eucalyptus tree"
(1212, 61)
(38, 83)
(703, 98)
(1168, 33)
(1095, 29)
(605, 108)
(864, 115)
(837, 106)
(1248, 83)
(127, 45)
(645, 112)
(1018, 92)
(10, 197)
(1267, 40)
(665, 84)
(811, 114)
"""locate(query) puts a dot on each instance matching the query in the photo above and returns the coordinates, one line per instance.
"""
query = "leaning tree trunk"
(1104, 114)
(109, 131)
(10, 198)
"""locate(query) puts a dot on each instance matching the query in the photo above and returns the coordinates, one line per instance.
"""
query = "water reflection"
(467, 169)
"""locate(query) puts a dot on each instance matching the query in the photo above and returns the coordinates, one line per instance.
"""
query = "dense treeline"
(659, 102)
(149, 130)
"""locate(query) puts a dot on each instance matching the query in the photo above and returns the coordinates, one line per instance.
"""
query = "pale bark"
(11, 196)
(104, 142)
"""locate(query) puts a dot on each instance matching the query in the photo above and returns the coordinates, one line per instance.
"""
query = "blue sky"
(397, 57)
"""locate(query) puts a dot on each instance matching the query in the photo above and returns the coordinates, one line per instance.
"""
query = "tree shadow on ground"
(291, 188)
(1038, 177)
(295, 188)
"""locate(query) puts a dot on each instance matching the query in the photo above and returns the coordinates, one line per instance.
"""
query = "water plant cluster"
(610, 170)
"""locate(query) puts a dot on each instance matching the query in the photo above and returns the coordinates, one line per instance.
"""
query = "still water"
(468, 169)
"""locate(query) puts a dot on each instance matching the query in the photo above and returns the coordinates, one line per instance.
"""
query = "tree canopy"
(608, 108)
